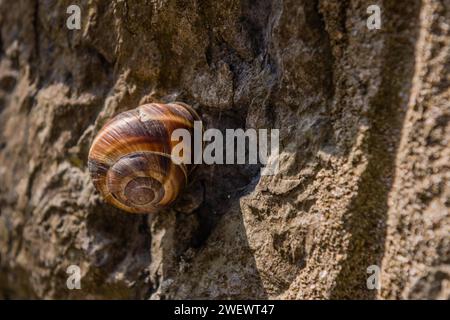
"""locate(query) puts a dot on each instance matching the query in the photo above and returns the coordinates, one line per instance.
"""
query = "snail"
(130, 158)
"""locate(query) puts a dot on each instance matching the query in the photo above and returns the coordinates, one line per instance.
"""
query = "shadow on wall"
(367, 214)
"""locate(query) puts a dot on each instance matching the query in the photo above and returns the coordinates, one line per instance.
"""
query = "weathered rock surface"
(365, 153)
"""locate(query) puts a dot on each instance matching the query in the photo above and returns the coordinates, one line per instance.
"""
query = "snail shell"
(130, 158)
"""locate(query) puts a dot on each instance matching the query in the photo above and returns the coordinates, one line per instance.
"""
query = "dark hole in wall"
(221, 184)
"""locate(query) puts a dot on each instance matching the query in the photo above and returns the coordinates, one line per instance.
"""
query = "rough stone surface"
(365, 152)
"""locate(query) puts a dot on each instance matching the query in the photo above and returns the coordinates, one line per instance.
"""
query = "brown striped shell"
(130, 158)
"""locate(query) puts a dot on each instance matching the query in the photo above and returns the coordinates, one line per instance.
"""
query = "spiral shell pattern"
(130, 158)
